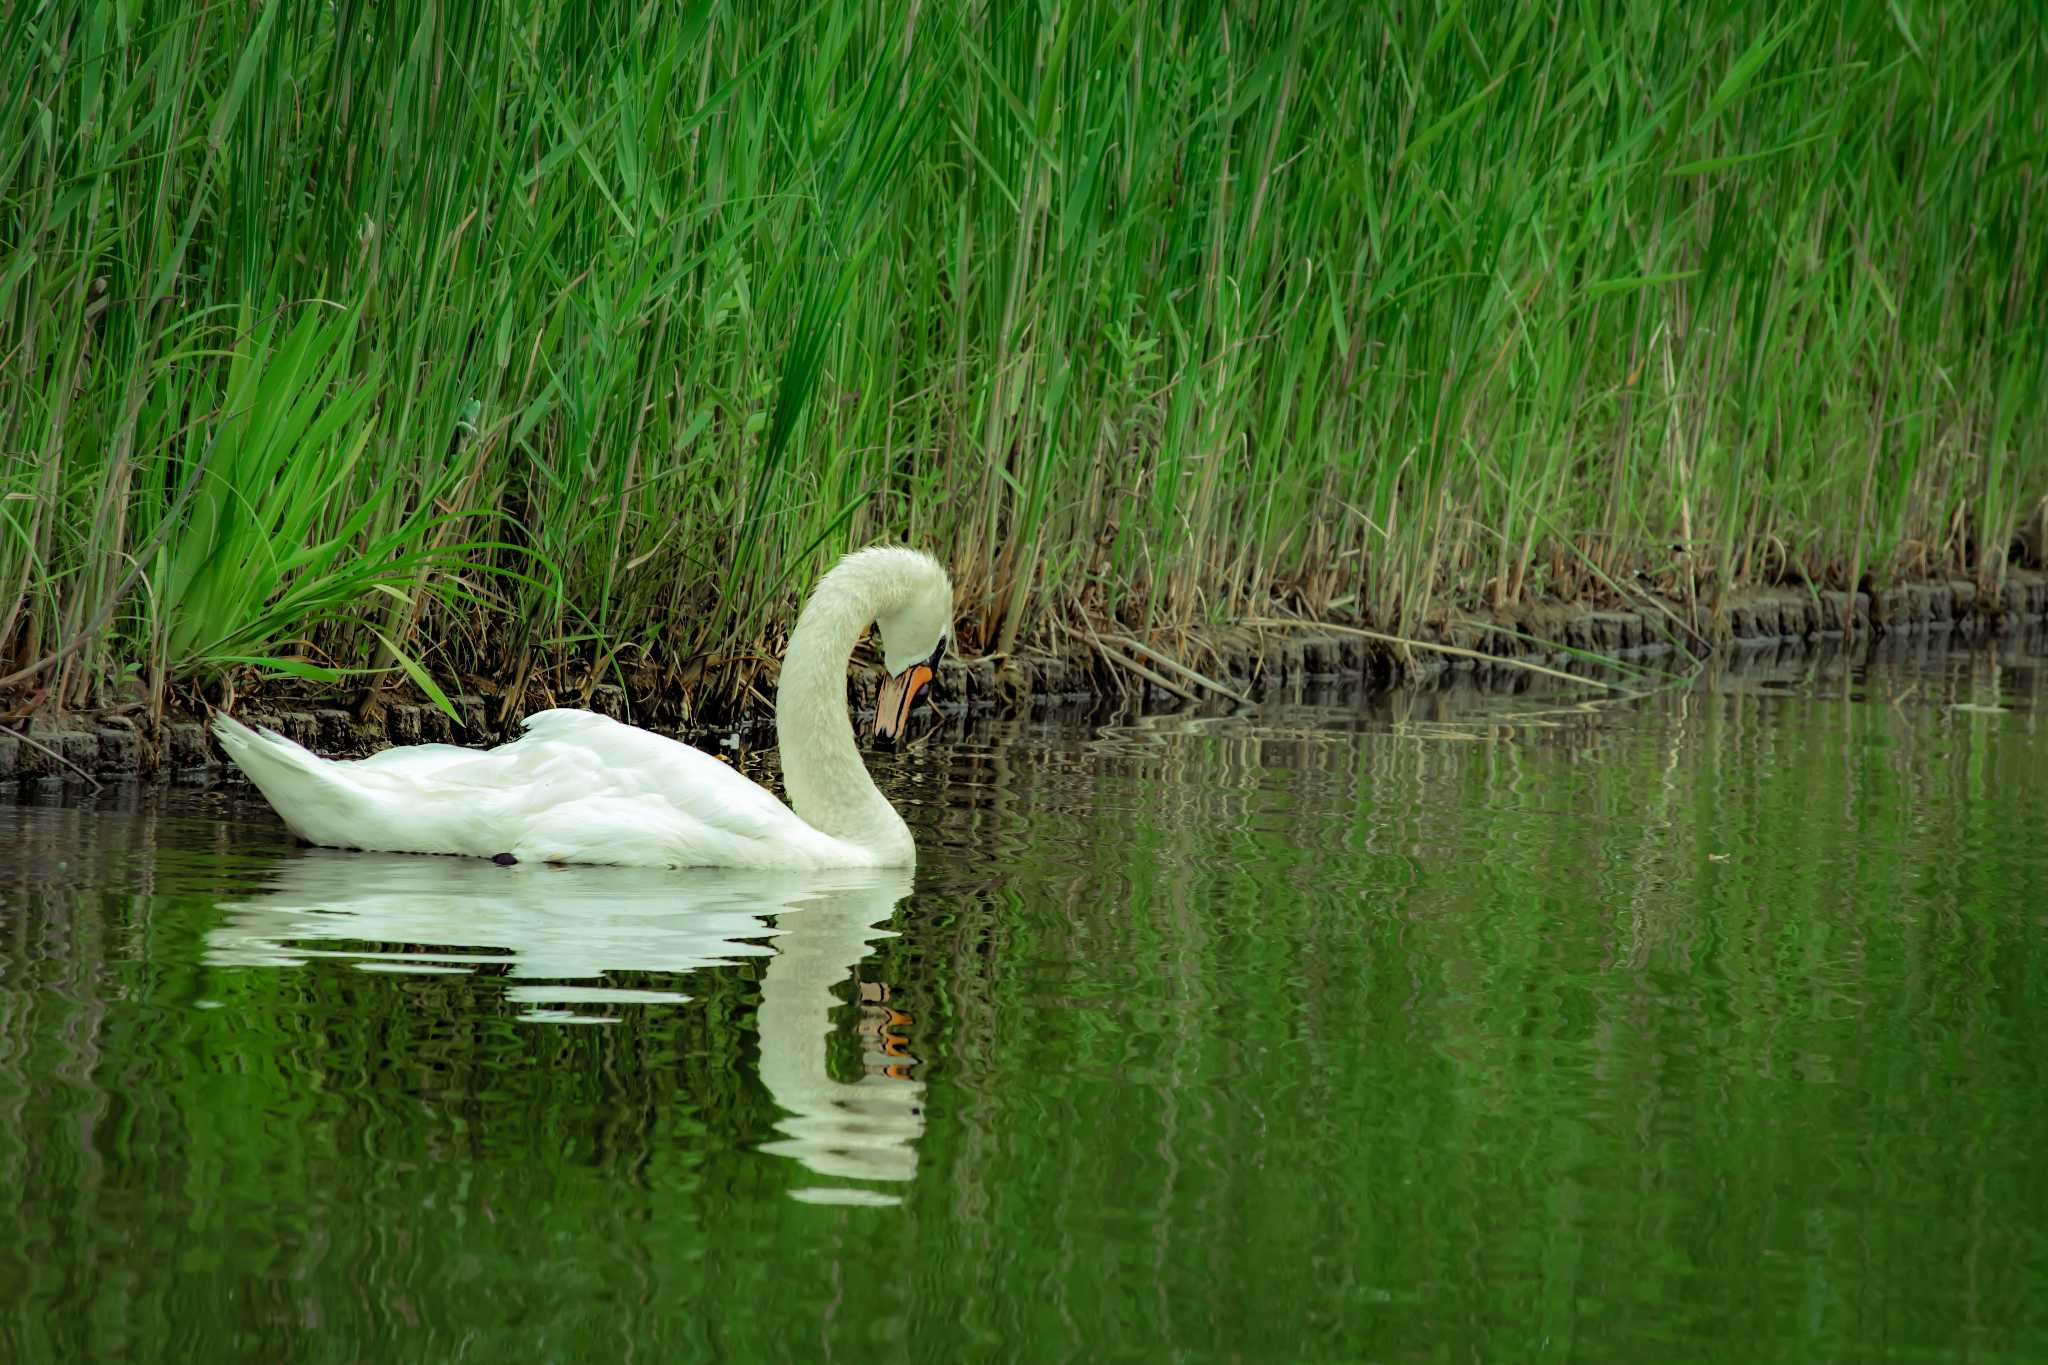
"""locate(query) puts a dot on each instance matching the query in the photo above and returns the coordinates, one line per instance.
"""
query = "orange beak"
(893, 702)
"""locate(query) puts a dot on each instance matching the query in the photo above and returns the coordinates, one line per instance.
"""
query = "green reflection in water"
(1444, 1025)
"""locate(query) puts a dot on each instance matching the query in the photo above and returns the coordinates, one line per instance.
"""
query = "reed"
(472, 338)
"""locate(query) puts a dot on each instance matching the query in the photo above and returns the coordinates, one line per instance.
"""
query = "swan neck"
(828, 784)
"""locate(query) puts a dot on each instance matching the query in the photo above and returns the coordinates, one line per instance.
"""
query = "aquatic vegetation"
(507, 337)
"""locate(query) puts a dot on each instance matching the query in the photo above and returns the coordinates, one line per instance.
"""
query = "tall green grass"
(483, 336)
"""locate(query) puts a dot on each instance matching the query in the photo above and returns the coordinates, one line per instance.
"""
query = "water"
(1449, 1025)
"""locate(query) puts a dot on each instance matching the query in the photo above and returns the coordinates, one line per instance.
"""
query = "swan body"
(577, 787)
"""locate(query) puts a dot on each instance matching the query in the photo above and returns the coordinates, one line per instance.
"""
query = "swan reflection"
(558, 932)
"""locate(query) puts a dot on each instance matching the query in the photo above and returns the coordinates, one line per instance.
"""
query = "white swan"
(578, 787)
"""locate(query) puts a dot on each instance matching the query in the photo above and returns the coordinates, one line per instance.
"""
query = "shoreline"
(1244, 663)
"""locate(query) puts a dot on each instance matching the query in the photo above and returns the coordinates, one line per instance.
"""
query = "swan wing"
(633, 789)
(625, 760)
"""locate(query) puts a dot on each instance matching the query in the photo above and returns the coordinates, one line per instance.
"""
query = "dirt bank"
(1244, 662)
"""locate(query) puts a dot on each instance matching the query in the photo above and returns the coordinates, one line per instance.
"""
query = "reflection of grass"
(1132, 315)
(1559, 1027)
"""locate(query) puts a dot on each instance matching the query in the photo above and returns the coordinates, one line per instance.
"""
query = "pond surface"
(1710, 1024)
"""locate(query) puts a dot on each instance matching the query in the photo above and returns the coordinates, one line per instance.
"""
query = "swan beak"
(893, 702)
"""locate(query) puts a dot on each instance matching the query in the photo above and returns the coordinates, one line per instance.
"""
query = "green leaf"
(289, 666)
(419, 676)
(1622, 284)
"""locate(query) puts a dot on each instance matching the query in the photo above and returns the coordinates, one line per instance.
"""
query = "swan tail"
(262, 746)
(295, 781)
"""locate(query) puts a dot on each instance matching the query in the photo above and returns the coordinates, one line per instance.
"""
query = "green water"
(1710, 1025)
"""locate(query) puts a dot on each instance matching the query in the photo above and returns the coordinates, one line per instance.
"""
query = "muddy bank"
(1243, 663)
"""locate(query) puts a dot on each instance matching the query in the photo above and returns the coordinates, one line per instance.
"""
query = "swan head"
(914, 619)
